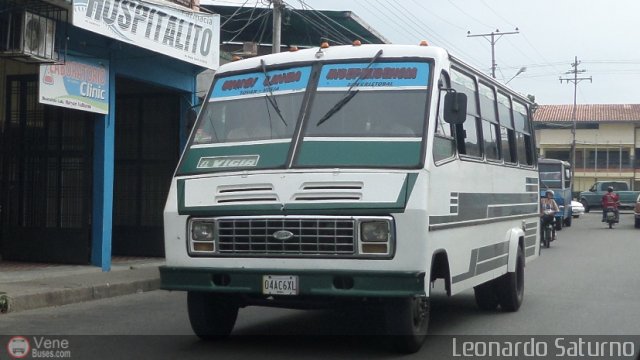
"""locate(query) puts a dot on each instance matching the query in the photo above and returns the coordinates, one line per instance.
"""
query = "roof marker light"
(357, 43)
(424, 43)
(293, 48)
(324, 45)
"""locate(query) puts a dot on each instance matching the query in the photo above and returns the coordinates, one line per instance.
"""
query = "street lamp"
(522, 69)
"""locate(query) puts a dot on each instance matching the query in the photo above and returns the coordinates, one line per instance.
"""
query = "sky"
(603, 35)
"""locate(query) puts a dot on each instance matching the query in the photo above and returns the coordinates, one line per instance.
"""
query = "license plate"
(280, 285)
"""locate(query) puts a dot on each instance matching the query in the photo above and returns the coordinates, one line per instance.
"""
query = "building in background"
(95, 108)
(607, 141)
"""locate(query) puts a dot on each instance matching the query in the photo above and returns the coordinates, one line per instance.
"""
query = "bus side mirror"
(455, 107)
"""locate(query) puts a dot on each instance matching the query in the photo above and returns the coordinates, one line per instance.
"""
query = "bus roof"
(339, 52)
(553, 161)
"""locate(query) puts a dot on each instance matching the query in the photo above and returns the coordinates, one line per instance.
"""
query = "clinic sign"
(80, 83)
(182, 34)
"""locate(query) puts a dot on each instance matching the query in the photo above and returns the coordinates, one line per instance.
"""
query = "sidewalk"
(25, 286)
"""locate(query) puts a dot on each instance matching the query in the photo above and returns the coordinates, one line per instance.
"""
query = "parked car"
(636, 212)
(577, 209)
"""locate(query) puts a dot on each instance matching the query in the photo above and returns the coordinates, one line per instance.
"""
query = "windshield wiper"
(350, 94)
(270, 96)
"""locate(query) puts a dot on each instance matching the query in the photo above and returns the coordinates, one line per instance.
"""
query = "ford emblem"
(283, 234)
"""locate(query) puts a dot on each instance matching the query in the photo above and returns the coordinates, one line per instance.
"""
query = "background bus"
(556, 175)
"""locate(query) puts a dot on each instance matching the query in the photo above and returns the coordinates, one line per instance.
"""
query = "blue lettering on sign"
(256, 83)
(387, 74)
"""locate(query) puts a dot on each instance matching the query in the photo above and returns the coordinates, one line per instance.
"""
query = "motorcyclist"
(610, 200)
(548, 203)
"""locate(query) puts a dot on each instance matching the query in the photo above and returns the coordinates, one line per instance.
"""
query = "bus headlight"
(376, 236)
(374, 231)
(202, 236)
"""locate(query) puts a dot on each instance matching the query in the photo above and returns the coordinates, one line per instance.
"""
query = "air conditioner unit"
(29, 37)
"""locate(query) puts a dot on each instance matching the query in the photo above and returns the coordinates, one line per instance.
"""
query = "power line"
(575, 80)
(319, 14)
(471, 17)
(330, 33)
(493, 41)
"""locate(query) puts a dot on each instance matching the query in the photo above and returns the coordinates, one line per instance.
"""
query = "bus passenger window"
(467, 133)
(443, 142)
(489, 122)
(523, 135)
(507, 134)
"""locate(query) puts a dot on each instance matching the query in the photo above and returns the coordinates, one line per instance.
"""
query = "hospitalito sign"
(183, 34)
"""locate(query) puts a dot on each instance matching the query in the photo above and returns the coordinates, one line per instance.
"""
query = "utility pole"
(277, 26)
(575, 80)
(495, 36)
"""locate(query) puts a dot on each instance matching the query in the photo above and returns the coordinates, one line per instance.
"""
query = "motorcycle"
(611, 216)
(547, 230)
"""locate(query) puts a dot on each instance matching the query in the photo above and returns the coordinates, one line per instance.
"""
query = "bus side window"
(507, 134)
(443, 142)
(489, 122)
(467, 136)
(522, 126)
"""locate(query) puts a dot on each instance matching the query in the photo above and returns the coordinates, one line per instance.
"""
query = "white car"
(577, 209)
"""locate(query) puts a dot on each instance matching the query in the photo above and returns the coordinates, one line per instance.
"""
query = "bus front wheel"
(407, 321)
(211, 315)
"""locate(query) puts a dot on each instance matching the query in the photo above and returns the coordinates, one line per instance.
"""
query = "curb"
(76, 295)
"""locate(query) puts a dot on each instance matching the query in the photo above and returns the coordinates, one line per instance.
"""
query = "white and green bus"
(353, 175)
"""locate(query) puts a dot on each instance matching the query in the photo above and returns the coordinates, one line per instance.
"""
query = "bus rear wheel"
(211, 316)
(486, 297)
(511, 290)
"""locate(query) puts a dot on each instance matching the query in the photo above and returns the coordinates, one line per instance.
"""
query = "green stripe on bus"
(310, 282)
(359, 153)
(302, 208)
(271, 156)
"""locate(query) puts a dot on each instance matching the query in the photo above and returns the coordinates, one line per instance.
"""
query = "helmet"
(549, 191)
(610, 189)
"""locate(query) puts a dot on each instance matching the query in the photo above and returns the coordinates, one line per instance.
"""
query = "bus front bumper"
(326, 283)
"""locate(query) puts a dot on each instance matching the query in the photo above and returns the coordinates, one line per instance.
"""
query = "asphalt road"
(586, 284)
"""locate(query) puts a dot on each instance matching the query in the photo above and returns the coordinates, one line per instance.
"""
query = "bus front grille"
(287, 236)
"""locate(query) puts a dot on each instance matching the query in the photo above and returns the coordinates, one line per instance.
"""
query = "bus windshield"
(253, 106)
(369, 114)
(554, 175)
(391, 113)
(249, 119)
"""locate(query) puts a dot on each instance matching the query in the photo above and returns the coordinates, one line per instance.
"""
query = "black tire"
(558, 225)
(546, 237)
(567, 221)
(486, 297)
(610, 225)
(406, 322)
(585, 204)
(212, 316)
(637, 223)
(511, 290)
